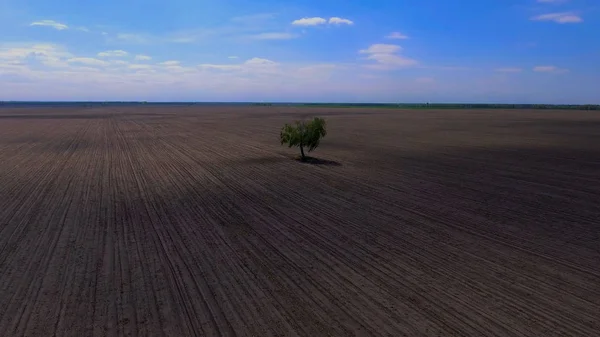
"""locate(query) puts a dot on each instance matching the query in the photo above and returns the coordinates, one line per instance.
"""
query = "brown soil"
(194, 221)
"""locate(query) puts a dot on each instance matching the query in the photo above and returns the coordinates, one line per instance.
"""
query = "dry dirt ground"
(194, 221)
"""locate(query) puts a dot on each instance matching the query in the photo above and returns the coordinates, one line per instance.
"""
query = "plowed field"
(194, 221)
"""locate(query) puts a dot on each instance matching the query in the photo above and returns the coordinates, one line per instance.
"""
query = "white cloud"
(247, 79)
(274, 36)
(88, 61)
(254, 65)
(397, 36)
(50, 23)
(387, 61)
(139, 66)
(260, 62)
(309, 21)
(316, 21)
(220, 66)
(115, 77)
(83, 29)
(113, 53)
(509, 70)
(381, 49)
(176, 68)
(54, 62)
(142, 57)
(387, 57)
(339, 21)
(47, 54)
(550, 69)
(86, 69)
(18, 52)
(562, 18)
(170, 63)
(317, 68)
(133, 38)
(449, 68)
(232, 57)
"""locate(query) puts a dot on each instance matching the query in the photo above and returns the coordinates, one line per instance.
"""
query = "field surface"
(194, 221)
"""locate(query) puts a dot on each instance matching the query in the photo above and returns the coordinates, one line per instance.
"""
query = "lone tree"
(304, 133)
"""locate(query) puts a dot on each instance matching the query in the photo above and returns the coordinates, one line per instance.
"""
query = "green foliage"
(304, 134)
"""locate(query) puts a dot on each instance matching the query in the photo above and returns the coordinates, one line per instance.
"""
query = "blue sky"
(508, 51)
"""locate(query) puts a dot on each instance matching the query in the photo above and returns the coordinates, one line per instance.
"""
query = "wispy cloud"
(381, 49)
(387, 56)
(274, 36)
(228, 31)
(223, 67)
(397, 36)
(233, 57)
(260, 61)
(142, 57)
(174, 66)
(140, 66)
(448, 68)
(176, 37)
(550, 69)
(170, 63)
(254, 65)
(315, 21)
(50, 23)
(340, 21)
(562, 18)
(243, 28)
(509, 70)
(87, 61)
(113, 53)
(133, 38)
(83, 29)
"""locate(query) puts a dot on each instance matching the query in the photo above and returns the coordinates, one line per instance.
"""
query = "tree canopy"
(304, 134)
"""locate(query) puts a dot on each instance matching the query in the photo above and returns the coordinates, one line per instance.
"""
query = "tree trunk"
(302, 152)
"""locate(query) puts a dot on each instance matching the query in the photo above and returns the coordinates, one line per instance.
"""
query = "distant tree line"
(339, 105)
(459, 106)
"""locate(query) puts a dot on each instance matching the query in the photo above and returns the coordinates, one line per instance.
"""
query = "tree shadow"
(280, 158)
(317, 161)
